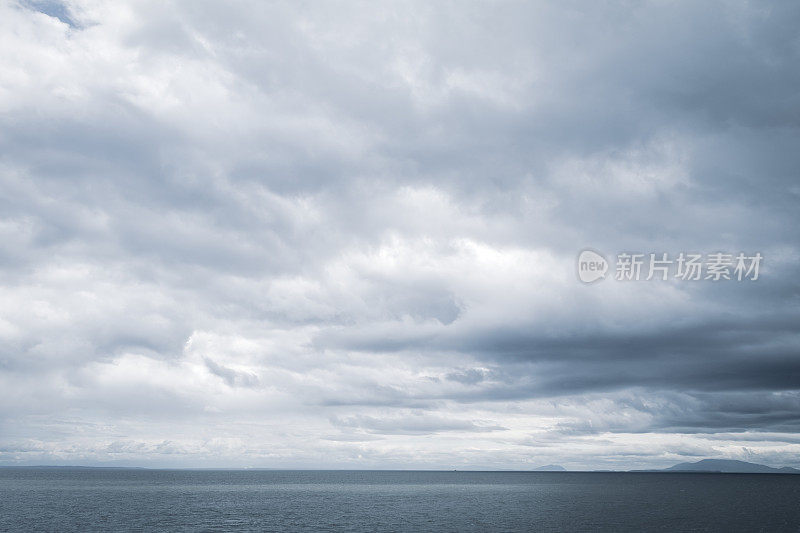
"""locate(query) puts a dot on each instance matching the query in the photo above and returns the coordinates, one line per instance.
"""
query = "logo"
(591, 266)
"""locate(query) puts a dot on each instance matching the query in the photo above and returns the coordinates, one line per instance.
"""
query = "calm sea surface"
(183, 500)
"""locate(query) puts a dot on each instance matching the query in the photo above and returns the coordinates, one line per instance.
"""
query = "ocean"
(66, 499)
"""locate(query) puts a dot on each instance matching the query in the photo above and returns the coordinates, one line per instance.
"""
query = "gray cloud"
(228, 232)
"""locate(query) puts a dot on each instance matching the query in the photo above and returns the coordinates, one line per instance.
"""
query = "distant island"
(550, 468)
(729, 466)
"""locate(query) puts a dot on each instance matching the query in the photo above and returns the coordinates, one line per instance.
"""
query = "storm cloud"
(344, 234)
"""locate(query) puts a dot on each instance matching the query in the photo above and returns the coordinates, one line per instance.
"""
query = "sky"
(344, 234)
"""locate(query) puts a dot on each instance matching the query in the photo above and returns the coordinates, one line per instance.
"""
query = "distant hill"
(730, 466)
(550, 468)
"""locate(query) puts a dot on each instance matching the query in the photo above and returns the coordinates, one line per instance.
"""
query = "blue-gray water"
(179, 500)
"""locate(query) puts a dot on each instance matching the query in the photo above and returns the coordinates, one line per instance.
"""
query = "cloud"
(307, 235)
(412, 424)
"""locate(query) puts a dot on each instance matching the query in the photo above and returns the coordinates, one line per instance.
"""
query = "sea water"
(64, 499)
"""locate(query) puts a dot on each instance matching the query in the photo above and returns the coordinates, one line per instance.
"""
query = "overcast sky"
(344, 235)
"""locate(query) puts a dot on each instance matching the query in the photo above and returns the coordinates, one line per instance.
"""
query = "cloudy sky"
(344, 235)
